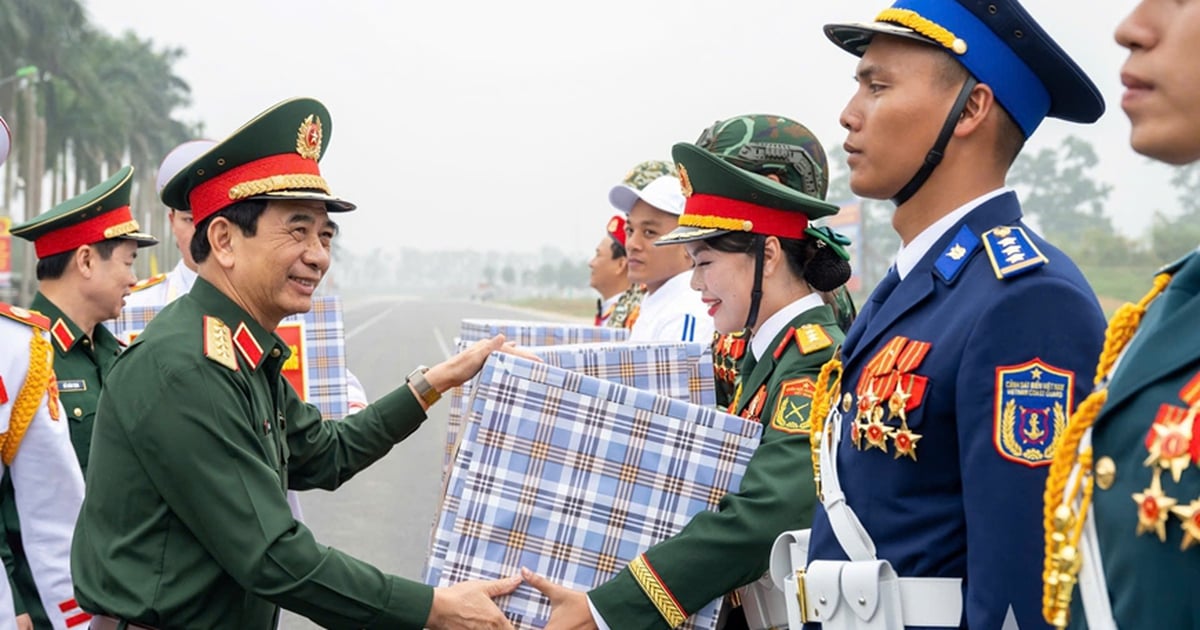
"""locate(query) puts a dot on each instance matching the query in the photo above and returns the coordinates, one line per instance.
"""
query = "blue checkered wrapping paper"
(324, 349)
(664, 368)
(653, 367)
(573, 476)
(531, 333)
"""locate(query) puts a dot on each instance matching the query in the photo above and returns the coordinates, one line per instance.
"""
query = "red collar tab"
(101, 227)
(247, 345)
(62, 334)
(711, 211)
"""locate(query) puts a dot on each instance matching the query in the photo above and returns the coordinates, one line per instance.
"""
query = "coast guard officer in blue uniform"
(959, 375)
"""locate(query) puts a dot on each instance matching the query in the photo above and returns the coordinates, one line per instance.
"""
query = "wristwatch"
(425, 391)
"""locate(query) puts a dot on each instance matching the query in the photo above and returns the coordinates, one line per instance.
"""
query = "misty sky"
(501, 125)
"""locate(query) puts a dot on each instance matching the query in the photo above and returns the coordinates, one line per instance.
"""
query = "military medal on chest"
(887, 391)
(1172, 446)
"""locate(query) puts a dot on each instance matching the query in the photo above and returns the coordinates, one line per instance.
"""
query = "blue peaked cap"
(999, 43)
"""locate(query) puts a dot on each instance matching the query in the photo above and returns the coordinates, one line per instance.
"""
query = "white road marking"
(441, 341)
(367, 324)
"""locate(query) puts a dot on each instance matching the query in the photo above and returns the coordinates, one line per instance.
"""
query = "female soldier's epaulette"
(16, 313)
(157, 278)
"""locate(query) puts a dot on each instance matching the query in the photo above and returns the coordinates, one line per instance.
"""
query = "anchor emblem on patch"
(1033, 402)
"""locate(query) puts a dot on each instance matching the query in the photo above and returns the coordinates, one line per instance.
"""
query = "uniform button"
(77, 411)
(1106, 472)
(847, 401)
(275, 352)
(87, 342)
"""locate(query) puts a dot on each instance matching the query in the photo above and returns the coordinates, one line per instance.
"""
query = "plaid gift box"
(573, 476)
(317, 367)
(668, 369)
(654, 367)
(538, 333)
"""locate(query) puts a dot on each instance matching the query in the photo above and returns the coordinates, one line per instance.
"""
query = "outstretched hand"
(569, 609)
(461, 367)
(468, 605)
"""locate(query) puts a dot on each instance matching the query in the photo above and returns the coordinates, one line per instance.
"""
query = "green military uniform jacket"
(717, 552)
(1150, 580)
(81, 365)
(185, 523)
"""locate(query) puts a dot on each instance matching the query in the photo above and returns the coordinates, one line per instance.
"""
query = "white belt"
(1093, 588)
(864, 592)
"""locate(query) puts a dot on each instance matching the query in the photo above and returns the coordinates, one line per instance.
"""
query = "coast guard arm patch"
(1033, 402)
(794, 406)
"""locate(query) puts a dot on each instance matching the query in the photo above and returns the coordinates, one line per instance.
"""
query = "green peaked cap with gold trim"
(722, 197)
(275, 156)
(98, 214)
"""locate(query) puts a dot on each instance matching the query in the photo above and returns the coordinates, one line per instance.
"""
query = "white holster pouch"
(863, 593)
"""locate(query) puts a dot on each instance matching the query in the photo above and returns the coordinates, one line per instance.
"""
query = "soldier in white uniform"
(35, 448)
(671, 310)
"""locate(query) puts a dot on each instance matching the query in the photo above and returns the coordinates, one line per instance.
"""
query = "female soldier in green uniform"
(759, 265)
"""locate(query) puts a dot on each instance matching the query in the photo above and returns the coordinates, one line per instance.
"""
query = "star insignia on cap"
(684, 182)
(308, 138)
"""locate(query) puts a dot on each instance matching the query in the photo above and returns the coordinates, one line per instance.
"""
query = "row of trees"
(81, 104)
(1061, 195)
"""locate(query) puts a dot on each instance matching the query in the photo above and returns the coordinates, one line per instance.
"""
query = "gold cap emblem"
(684, 181)
(308, 138)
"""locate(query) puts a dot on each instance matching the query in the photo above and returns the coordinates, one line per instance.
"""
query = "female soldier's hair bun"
(825, 270)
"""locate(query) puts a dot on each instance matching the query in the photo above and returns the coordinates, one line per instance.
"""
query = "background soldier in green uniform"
(759, 267)
(1134, 439)
(198, 436)
(85, 248)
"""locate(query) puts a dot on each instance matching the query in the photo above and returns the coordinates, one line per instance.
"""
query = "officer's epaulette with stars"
(16, 313)
(157, 278)
(809, 338)
(218, 342)
(1011, 251)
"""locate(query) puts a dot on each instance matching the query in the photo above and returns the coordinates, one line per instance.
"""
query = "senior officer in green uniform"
(759, 266)
(1133, 554)
(198, 436)
(85, 248)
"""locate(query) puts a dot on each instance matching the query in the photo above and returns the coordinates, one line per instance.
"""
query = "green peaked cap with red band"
(722, 197)
(98, 214)
(275, 156)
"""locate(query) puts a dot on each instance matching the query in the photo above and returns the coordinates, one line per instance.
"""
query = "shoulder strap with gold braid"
(823, 397)
(1063, 524)
(29, 398)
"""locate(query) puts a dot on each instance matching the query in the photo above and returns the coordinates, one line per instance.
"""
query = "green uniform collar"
(66, 333)
(251, 340)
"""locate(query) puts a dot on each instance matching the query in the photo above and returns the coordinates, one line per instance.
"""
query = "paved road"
(385, 514)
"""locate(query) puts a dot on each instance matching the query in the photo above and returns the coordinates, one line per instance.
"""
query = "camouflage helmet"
(641, 175)
(771, 145)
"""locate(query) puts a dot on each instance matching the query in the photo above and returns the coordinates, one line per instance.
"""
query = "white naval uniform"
(179, 281)
(47, 484)
(673, 313)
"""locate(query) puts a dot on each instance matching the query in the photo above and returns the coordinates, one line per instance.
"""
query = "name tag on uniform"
(78, 385)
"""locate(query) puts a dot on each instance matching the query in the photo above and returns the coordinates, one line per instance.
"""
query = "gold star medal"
(1153, 508)
(876, 432)
(1170, 440)
(1190, 515)
(867, 402)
